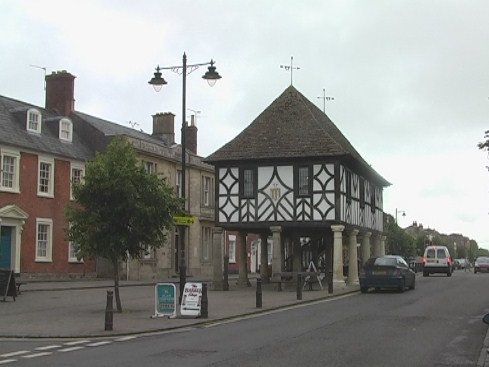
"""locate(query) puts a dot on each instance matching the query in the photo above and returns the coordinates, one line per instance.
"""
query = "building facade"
(44, 149)
(292, 177)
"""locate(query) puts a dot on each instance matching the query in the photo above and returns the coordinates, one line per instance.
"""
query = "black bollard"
(330, 282)
(204, 310)
(226, 273)
(299, 286)
(258, 293)
(109, 312)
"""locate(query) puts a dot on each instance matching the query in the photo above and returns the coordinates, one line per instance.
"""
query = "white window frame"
(72, 255)
(76, 167)
(206, 191)
(50, 190)
(47, 238)
(65, 130)
(33, 114)
(178, 182)
(150, 167)
(232, 248)
(206, 243)
(16, 167)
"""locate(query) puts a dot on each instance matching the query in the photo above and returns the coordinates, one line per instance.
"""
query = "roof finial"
(290, 67)
(325, 98)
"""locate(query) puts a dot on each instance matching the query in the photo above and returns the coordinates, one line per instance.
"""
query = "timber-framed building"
(292, 176)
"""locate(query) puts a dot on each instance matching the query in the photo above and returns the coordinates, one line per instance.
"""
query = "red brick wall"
(51, 208)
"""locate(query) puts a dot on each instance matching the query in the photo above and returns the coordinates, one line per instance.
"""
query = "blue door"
(5, 248)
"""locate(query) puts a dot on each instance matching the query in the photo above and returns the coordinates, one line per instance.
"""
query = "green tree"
(398, 242)
(120, 211)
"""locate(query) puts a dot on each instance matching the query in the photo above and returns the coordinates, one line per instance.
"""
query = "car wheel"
(475, 271)
(363, 289)
(425, 273)
(402, 286)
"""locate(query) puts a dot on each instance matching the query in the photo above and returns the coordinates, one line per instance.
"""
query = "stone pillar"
(353, 258)
(366, 246)
(217, 276)
(265, 277)
(243, 280)
(382, 245)
(338, 253)
(277, 252)
(376, 249)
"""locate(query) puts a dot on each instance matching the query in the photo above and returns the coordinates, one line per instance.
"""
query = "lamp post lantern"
(157, 82)
(400, 212)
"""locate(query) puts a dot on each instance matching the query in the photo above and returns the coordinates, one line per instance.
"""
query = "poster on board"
(191, 300)
(165, 300)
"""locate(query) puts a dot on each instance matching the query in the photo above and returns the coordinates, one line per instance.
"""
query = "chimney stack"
(60, 92)
(164, 127)
(191, 136)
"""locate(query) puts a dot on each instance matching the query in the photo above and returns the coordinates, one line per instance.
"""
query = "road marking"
(5, 361)
(72, 349)
(97, 344)
(76, 342)
(12, 354)
(125, 338)
(48, 347)
(35, 355)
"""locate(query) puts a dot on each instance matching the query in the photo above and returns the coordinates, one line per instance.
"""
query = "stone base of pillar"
(353, 282)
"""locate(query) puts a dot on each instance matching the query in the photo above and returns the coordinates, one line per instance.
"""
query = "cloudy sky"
(410, 79)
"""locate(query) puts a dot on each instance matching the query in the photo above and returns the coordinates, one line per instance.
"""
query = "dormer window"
(65, 130)
(34, 121)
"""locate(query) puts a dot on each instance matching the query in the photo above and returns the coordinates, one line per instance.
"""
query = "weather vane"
(290, 67)
(325, 98)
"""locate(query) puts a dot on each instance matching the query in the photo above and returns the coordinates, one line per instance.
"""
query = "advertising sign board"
(165, 300)
(191, 300)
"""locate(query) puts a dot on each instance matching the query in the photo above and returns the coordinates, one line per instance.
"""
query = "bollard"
(258, 293)
(109, 312)
(330, 282)
(204, 310)
(299, 286)
(226, 273)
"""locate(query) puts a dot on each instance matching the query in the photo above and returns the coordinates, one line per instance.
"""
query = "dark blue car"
(390, 271)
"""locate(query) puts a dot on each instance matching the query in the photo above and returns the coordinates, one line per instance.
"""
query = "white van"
(437, 259)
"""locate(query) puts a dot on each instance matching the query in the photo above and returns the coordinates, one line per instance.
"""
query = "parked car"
(481, 264)
(388, 271)
(437, 259)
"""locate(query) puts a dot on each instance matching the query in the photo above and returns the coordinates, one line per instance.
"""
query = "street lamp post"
(400, 212)
(157, 82)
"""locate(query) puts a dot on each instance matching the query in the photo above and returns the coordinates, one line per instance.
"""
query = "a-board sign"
(7, 284)
(165, 300)
(191, 300)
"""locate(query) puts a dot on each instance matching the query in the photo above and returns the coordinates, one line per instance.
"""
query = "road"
(437, 324)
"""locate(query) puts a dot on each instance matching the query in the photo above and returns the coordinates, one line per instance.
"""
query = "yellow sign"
(184, 220)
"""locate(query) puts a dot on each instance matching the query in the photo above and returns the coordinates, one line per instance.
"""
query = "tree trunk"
(116, 287)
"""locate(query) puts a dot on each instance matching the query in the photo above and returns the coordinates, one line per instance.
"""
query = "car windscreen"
(385, 261)
(484, 260)
(440, 253)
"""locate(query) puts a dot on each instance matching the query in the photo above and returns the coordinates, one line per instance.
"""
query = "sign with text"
(184, 220)
(191, 300)
(165, 300)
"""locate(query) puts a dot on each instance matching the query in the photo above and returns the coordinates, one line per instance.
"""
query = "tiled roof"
(13, 132)
(291, 127)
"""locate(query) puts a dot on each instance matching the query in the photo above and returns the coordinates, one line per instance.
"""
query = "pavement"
(76, 308)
